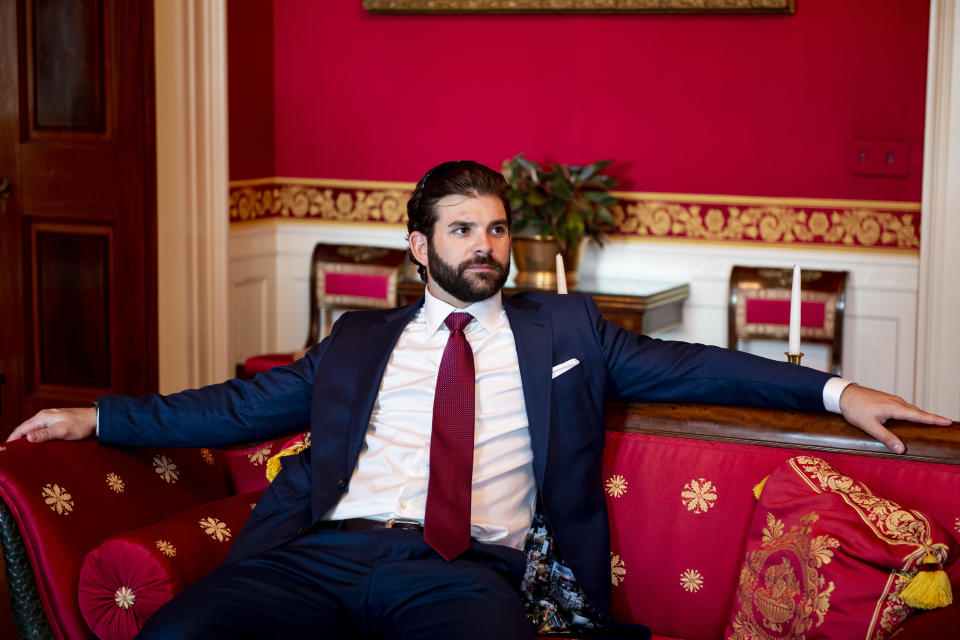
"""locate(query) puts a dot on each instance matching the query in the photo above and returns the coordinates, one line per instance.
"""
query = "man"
(402, 403)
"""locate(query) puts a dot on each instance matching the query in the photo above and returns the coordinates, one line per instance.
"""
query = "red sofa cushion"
(827, 557)
(66, 508)
(129, 576)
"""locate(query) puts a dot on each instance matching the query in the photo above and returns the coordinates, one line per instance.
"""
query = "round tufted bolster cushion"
(131, 575)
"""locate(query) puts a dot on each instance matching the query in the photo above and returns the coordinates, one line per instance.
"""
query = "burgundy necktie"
(447, 516)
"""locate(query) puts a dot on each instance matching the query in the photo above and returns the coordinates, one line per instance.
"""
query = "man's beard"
(453, 279)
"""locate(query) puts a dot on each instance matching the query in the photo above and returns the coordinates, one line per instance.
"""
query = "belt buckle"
(402, 523)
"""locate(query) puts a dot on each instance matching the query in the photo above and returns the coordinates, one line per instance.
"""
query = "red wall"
(250, 88)
(739, 104)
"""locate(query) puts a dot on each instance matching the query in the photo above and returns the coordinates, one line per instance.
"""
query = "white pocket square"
(564, 367)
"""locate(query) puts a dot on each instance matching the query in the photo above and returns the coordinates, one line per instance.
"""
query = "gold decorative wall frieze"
(306, 200)
(840, 223)
(691, 217)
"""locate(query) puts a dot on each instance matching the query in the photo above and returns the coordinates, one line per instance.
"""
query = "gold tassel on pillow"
(273, 464)
(758, 488)
(929, 588)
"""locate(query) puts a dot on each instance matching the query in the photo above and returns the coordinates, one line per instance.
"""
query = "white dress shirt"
(391, 476)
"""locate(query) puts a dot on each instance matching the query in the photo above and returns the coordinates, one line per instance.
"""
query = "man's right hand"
(58, 424)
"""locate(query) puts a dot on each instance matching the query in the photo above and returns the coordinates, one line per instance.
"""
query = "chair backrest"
(759, 307)
(344, 277)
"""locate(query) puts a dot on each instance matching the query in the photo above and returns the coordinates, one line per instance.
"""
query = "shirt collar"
(488, 313)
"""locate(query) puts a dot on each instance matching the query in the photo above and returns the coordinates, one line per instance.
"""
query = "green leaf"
(593, 169)
(605, 214)
(535, 199)
(560, 188)
(519, 224)
(595, 196)
(601, 182)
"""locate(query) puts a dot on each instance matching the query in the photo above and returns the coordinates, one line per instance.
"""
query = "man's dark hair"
(460, 177)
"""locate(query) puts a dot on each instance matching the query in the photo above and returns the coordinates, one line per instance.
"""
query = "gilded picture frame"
(580, 6)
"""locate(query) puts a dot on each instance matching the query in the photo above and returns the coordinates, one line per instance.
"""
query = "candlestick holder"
(793, 358)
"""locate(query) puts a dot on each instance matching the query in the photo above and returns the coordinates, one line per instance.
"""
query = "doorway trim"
(192, 193)
(937, 370)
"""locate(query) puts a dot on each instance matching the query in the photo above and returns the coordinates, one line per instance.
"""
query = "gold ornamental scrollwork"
(887, 520)
(303, 201)
(782, 593)
(773, 224)
(840, 224)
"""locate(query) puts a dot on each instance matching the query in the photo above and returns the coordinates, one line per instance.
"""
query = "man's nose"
(484, 244)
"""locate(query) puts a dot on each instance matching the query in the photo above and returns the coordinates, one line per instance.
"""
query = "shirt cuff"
(832, 391)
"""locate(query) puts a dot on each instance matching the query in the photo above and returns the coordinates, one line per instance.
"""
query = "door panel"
(71, 272)
(78, 267)
(54, 174)
(67, 88)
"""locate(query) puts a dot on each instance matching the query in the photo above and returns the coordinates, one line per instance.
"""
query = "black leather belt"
(365, 524)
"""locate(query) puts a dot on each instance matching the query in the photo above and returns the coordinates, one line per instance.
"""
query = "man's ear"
(418, 246)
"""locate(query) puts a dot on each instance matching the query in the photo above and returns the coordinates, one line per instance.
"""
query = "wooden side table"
(642, 306)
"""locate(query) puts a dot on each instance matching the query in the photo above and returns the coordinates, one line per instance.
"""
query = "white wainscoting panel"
(880, 316)
(249, 317)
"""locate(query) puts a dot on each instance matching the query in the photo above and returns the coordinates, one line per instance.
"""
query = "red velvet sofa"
(97, 536)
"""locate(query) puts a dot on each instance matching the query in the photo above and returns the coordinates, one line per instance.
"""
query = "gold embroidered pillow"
(828, 558)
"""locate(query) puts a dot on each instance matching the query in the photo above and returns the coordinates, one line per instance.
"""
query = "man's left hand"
(867, 409)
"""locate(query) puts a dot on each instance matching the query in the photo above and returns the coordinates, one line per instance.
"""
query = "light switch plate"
(889, 158)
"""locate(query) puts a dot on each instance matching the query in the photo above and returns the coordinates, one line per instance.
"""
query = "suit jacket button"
(341, 483)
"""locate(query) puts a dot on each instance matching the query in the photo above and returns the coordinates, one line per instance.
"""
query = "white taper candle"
(794, 346)
(561, 275)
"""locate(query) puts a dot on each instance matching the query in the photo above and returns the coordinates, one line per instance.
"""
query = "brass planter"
(535, 260)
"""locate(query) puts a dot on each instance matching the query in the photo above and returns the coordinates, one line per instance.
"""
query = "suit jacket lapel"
(379, 341)
(532, 332)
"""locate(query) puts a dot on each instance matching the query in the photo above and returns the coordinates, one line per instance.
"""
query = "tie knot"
(457, 321)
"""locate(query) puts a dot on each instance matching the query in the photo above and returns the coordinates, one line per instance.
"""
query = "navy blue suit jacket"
(333, 389)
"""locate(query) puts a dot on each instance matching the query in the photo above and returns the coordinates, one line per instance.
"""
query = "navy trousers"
(381, 583)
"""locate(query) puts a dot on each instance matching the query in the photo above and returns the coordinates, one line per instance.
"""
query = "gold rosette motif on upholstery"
(782, 594)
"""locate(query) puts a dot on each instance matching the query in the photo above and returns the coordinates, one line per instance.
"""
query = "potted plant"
(553, 210)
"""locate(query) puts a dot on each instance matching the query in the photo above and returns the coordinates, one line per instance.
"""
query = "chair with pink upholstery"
(759, 308)
(342, 277)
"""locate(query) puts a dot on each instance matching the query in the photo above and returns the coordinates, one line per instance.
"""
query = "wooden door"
(78, 223)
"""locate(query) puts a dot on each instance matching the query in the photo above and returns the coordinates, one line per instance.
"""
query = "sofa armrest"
(131, 575)
(66, 497)
(783, 428)
(28, 616)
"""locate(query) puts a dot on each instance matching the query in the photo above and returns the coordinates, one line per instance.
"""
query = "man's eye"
(461, 231)
(499, 229)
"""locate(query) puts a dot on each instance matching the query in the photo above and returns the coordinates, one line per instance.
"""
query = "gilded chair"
(342, 277)
(759, 308)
